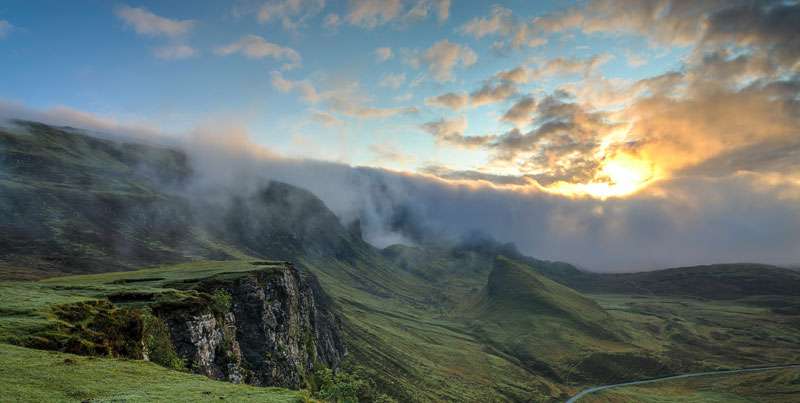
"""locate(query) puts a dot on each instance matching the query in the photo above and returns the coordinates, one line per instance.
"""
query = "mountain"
(78, 204)
(467, 320)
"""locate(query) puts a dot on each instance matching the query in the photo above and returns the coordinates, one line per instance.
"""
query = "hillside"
(78, 204)
(473, 320)
(514, 289)
(719, 281)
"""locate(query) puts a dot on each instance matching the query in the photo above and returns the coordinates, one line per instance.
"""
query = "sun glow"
(619, 176)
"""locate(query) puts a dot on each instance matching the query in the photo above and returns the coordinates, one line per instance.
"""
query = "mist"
(677, 222)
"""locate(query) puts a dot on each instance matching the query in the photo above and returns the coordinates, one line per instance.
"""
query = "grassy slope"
(691, 333)
(543, 324)
(28, 375)
(778, 386)
(32, 375)
(26, 307)
(417, 352)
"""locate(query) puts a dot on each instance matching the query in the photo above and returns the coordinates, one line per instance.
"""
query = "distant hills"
(718, 281)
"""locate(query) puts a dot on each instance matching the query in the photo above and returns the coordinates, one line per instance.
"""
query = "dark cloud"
(771, 27)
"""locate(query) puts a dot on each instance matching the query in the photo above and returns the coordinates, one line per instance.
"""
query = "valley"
(266, 287)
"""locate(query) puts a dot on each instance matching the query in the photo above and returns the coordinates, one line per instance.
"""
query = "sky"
(620, 133)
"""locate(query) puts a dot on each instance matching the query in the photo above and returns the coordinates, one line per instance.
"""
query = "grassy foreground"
(28, 375)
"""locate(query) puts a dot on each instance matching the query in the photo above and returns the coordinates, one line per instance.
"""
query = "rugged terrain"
(453, 320)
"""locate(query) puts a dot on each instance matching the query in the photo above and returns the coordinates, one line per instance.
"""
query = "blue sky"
(84, 55)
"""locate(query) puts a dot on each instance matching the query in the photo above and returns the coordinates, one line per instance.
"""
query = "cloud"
(5, 28)
(442, 10)
(373, 13)
(559, 66)
(102, 126)
(421, 9)
(518, 75)
(303, 87)
(146, 23)
(392, 80)
(521, 113)
(450, 100)
(291, 13)
(256, 47)
(491, 93)
(499, 22)
(771, 23)
(331, 21)
(389, 153)
(745, 216)
(634, 60)
(596, 135)
(452, 132)
(771, 29)
(383, 54)
(326, 119)
(666, 22)
(174, 52)
(347, 99)
(369, 112)
(444, 56)
(561, 147)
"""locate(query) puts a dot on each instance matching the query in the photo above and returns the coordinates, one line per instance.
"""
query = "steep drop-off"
(260, 323)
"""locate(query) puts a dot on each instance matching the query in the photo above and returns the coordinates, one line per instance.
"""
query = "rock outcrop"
(268, 327)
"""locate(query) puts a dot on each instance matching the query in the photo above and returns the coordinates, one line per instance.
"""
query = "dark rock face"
(277, 330)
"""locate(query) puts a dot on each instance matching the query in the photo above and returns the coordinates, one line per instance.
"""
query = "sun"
(619, 176)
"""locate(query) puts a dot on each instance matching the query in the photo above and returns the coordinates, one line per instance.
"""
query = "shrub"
(220, 302)
(347, 387)
(158, 343)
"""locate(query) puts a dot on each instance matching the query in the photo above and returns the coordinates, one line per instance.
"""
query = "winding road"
(667, 378)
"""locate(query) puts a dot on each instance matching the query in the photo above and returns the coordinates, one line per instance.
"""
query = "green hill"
(514, 288)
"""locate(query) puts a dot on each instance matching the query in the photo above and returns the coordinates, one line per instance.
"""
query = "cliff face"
(269, 327)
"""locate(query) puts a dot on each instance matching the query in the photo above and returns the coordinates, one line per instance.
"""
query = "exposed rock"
(277, 329)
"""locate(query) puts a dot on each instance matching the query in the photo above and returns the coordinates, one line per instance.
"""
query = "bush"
(158, 344)
(220, 302)
(347, 387)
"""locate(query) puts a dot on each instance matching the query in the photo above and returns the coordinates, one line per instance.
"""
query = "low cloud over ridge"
(709, 219)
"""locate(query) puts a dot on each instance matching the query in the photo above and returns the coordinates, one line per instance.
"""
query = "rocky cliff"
(269, 327)
(261, 323)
